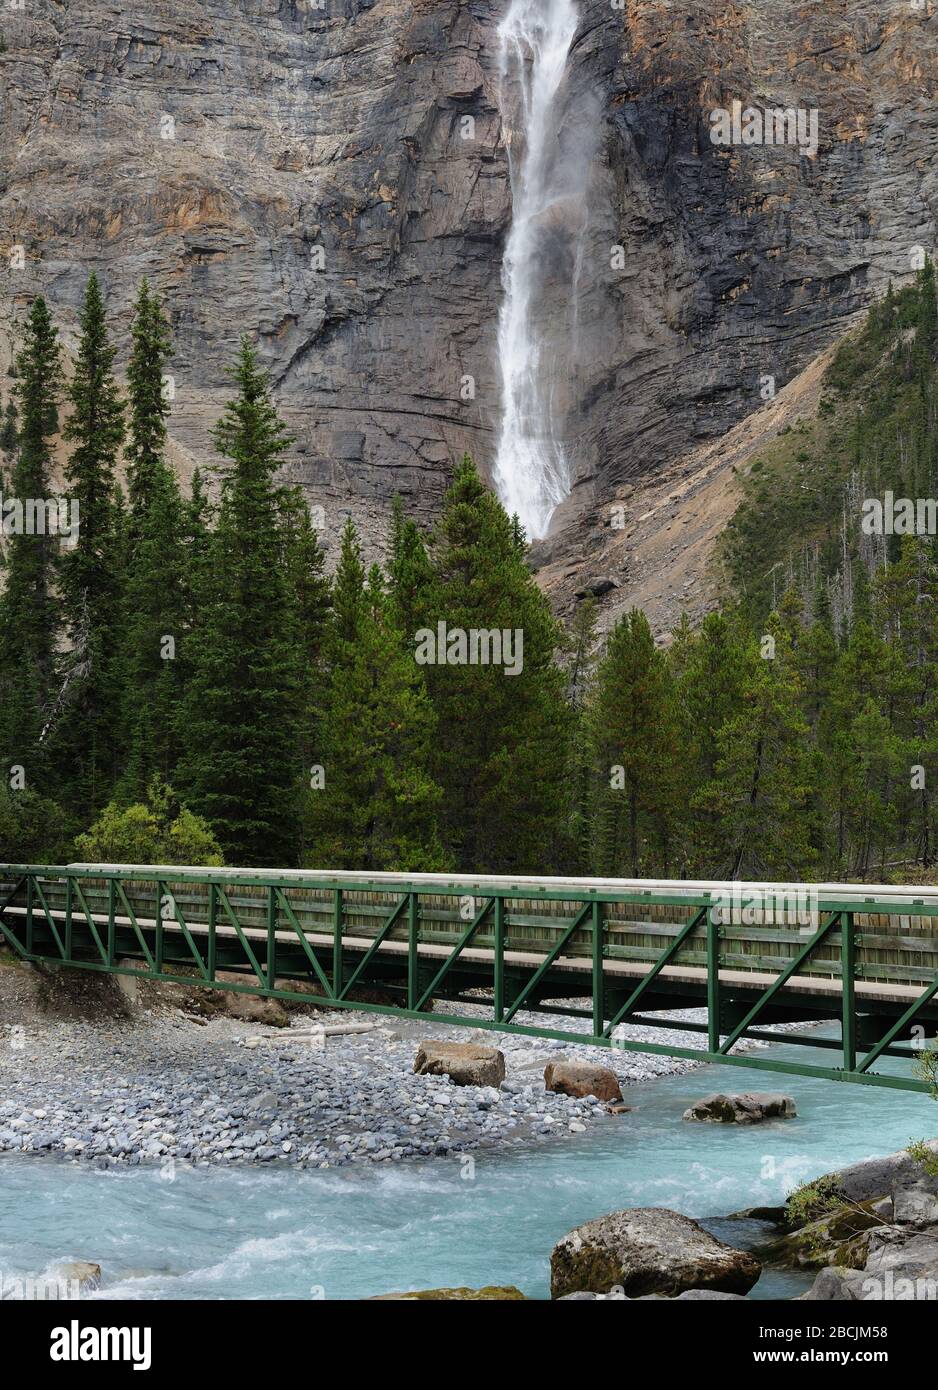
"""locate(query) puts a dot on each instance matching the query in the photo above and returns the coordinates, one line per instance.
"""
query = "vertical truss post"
(499, 962)
(413, 973)
(713, 982)
(158, 946)
(68, 918)
(337, 945)
(212, 922)
(271, 937)
(111, 926)
(29, 914)
(848, 968)
(599, 1001)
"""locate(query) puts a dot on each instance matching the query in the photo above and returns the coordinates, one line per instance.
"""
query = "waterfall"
(543, 254)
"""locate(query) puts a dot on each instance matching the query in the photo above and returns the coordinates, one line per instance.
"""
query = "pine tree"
(376, 807)
(155, 582)
(502, 749)
(409, 571)
(88, 706)
(711, 674)
(581, 673)
(243, 708)
(27, 608)
(303, 563)
(760, 793)
(9, 431)
(636, 750)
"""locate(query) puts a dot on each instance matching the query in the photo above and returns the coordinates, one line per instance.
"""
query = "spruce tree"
(27, 606)
(760, 794)
(375, 805)
(636, 751)
(87, 712)
(239, 767)
(156, 563)
(502, 749)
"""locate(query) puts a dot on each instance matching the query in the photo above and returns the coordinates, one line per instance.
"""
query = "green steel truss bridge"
(608, 951)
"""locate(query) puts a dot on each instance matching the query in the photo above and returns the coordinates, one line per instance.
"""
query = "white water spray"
(543, 251)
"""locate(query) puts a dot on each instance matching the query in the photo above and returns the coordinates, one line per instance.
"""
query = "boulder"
(750, 1108)
(254, 1008)
(832, 1284)
(494, 1293)
(466, 1064)
(830, 1239)
(901, 1266)
(915, 1203)
(877, 1177)
(582, 1079)
(595, 588)
(648, 1250)
(85, 1273)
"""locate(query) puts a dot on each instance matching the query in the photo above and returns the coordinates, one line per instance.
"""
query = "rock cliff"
(330, 176)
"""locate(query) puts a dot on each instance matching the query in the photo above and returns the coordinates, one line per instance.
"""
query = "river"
(282, 1233)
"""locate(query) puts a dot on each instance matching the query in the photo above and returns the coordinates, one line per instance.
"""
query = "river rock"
(466, 1064)
(581, 1079)
(85, 1273)
(648, 1250)
(252, 1008)
(749, 1108)
(876, 1177)
(915, 1203)
(838, 1237)
(901, 1266)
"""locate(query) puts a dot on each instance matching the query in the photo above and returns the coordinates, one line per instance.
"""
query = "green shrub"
(160, 832)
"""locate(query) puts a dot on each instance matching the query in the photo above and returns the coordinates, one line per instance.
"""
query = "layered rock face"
(332, 179)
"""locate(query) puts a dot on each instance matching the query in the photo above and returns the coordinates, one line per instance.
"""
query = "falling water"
(543, 252)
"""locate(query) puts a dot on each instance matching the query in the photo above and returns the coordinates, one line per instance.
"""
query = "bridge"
(612, 952)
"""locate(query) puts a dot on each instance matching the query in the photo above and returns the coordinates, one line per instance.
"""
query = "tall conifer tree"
(239, 768)
(86, 730)
(27, 609)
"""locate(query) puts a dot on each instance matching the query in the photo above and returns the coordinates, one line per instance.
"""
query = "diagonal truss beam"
(9, 935)
(779, 984)
(320, 974)
(457, 951)
(897, 1027)
(245, 944)
(548, 961)
(374, 947)
(667, 955)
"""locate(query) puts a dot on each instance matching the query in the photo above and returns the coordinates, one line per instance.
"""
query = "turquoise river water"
(266, 1233)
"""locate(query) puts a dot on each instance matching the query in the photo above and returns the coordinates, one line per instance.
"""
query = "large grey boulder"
(648, 1250)
(466, 1064)
(915, 1203)
(582, 1079)
(877, 1177)
(901, 1266)
(749, 1108)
